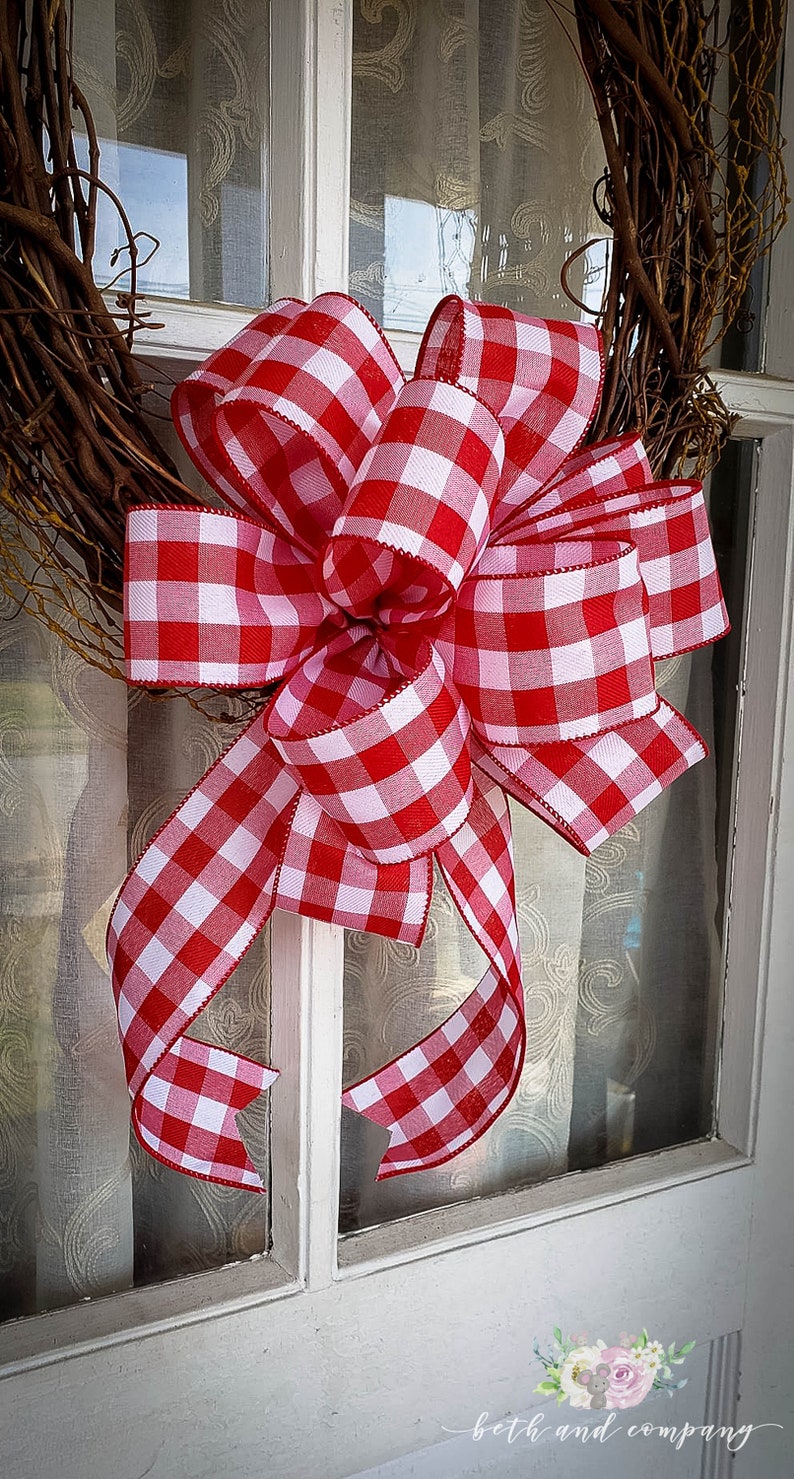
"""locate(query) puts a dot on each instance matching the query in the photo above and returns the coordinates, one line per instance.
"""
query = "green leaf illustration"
(547, 1386)
(557, 1333)
(685, 1349)
(671, 1348)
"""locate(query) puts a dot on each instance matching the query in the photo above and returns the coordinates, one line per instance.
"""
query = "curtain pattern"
(179, 93)
(649, 973)
(481, 113)
(86, 776)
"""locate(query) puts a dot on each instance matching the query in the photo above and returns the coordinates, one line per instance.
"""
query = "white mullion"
(764, 685)
(309, 188)
(306, 1045)
(311, 51)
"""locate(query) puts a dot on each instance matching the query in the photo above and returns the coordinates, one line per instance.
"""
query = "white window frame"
(309, 190)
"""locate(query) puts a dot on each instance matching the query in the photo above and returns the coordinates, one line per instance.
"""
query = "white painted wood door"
(326, 1360)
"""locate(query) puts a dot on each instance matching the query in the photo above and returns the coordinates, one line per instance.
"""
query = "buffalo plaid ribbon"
(455, 604)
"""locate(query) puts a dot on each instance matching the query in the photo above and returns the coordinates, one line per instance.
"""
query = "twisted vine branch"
(693, 195)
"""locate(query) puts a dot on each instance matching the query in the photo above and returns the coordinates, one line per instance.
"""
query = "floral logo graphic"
(600, 1377)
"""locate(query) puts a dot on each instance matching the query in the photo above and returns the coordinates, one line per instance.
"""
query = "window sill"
(566, 1196)
(114, 1319)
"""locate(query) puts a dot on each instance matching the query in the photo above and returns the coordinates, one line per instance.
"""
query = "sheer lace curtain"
(179, 94)
(84, 781)
(475, 152)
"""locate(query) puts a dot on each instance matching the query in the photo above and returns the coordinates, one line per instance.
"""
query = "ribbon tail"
(185, 1113)
(186, 914)
(444, 1093)
(588, 789)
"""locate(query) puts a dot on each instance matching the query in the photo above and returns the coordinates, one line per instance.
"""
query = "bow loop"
(214, 600)
(195, 400)
(541, 378)
(393, 769)
(596, 473)
(668, 524)
(418, 515)
(290, 429)
(552, 642)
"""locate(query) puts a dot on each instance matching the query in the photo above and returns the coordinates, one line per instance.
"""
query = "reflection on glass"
(474, 155)
(179, 95)
(427, 254)
(621, 957)
(152, 183)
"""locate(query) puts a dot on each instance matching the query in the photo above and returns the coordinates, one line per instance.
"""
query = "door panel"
(590, 1450)
(325, 1384)
(430, 1320)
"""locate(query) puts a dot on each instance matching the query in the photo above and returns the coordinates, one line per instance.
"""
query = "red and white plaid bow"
(455, 605)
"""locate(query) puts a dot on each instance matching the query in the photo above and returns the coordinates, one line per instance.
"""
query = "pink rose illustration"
(629, 1380)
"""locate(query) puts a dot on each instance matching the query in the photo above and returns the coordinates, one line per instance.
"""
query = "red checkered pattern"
(609, 469)
(668, 524)
(445, 1092)
(197, 398)
(185, 916)
(216, 601)
(297, 422)
(186, 1111)
(541, 379)
(559, 647)
(323, 877)
(243, 841)
(422, 499)
(456, 604)
(587, 789)
(396, 778)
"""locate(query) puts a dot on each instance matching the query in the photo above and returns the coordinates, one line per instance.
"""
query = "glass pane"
(474, 154)
(83, 1210)
(621, 962)
(179, 94)
(88, 772)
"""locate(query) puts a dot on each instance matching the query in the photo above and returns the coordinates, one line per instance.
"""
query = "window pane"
(474, 152)
(88, 772)
(179, 94)
(82, 780)
(621, 960)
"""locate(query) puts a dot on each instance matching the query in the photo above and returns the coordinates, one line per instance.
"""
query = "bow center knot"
(372, 724)
(417, 516)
